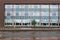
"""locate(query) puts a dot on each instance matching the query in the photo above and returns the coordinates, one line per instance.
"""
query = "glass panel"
(53, 14)
(44, 13)
(24, 14)
(8, 6)
(8, 16)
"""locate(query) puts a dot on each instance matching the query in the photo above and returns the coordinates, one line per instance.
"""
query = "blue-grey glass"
(53, 10)
(25, 17)
(8, 10)
(35, 17)
(26, 8)
(17, 17)
(26, 14)
(16, 6)
(8, 14)
(44, 10)
(35, 10)
(35, 6)
(21, 9)
(44, 17)
(54, 17)
(21, 17)
(16, 11)
(8, 17)
(17, 14)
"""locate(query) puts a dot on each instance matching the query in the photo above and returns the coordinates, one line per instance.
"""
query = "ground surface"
(48, 38)
(28, 35)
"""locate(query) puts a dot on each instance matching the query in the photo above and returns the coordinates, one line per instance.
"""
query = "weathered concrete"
(28, 34)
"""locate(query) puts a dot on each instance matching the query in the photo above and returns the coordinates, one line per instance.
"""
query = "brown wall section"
(31, 1)
(2, 2)
(1, 13)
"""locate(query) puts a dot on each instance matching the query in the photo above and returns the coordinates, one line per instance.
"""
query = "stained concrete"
(29, 34)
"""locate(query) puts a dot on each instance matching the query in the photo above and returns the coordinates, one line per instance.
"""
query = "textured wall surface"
(28, 35)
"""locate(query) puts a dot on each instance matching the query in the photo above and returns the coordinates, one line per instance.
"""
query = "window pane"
(22, 14)
(8, 16)
(44, 13)
(53, 13)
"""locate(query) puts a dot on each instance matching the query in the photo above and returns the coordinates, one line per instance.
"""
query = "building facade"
(22, 12)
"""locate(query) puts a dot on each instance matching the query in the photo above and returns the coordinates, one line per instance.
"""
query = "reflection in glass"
(24, 14)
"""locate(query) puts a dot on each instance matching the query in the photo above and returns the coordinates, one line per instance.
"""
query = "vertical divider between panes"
(58, 15)
(31, 17)
(13, 16)
(21, 16)
(40, 15)
(49, 16)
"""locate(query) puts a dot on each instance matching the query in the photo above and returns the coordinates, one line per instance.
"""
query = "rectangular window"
(53, 15)
(44, 15)
(23, 14)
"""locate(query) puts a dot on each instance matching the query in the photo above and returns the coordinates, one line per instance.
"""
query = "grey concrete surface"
(28, 34)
